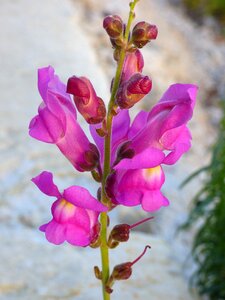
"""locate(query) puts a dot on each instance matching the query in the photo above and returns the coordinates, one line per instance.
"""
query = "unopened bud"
(143, 33)
(133, 90)
(117, 43)
(133, 63)
(91, 107)
(113, 26)
(122, 271)
(120, 233)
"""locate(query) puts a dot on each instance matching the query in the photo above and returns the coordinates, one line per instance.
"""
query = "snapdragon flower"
(56, 123)
(75, 213)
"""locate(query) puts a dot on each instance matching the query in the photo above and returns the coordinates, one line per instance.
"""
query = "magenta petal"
(44, 76)
(178, 116)
(120, 126)
(82, 219)
(99, 141)
(181, 144)
(153, 200)
(149, 158)
(138, 124)
(44, 182)
(43, 227)
(52, 123)
(48, 81)
(39, 131)
(129, 198)
(55, 232)
(77, 236)
(81, 197)
(180, 91)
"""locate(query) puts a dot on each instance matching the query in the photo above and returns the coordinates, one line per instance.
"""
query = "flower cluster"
(138, 149)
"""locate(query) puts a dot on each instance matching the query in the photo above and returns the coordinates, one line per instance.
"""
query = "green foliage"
(214, 8)
(209, 206)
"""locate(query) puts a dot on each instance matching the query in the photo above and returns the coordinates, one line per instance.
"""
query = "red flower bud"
(122, 271)
(91, 107)
(133, 90)
(143, 33)
(113, 26)
(120, 233)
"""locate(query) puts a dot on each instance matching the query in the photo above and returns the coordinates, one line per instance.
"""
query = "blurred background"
(68, 35)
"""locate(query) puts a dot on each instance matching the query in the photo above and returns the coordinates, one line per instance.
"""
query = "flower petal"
(180, 91)
(39, 131)
(120, 127)
(149, 158)
(55, 232)
(138, 123)
(81, 197)
(179, 141)
(153, 200)
(99, 141)
(44, 182)
(82, 219)
(77, 236)
(129, 198)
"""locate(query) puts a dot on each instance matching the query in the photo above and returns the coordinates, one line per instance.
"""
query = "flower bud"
(133, 63)
(120, 233)
(113, 26)
(91, 107)
(143, 33)
(133, 90)
(122, 271)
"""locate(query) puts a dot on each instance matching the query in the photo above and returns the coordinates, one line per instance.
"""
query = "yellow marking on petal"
(153, 172)
(66, 206)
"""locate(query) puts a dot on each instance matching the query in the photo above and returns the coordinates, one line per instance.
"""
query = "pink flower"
(157, 137)
(139, 186)
(91, 107)
(160, 136)
(56, 123)
(75, 213)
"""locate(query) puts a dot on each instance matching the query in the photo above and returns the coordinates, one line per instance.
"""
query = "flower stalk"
(107, 147)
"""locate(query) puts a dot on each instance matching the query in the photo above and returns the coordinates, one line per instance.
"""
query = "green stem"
(107, 154)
